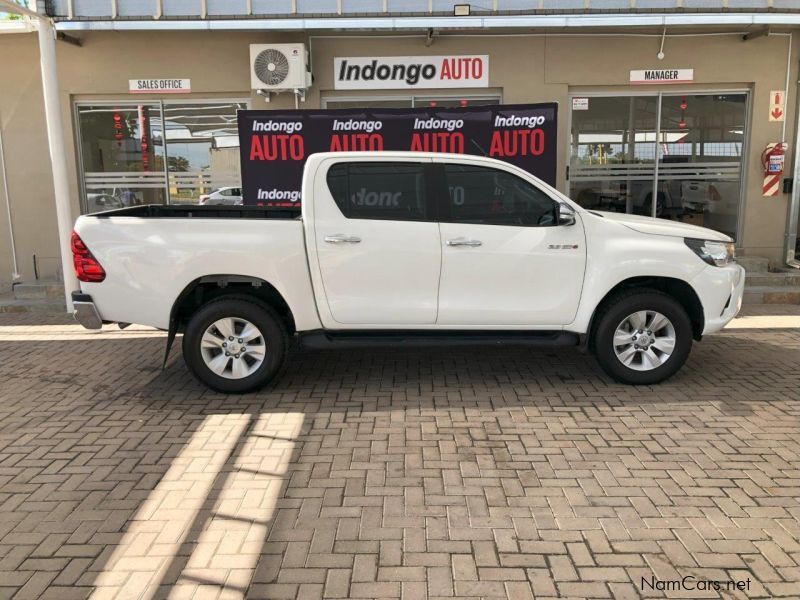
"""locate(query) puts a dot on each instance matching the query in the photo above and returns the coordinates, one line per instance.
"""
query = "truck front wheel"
(642, 337)
(234, 345)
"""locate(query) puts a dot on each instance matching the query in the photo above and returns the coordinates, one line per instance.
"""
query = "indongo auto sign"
(409, 72)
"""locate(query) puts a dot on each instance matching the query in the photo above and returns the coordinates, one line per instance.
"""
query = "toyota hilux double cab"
(412, 249)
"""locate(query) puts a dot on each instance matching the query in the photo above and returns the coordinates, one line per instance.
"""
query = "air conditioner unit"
(275, 67)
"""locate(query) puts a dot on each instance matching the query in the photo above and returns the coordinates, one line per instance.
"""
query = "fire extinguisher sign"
(777, 105)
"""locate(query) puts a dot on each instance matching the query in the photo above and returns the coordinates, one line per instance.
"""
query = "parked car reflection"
(101, 202)
(231, 196)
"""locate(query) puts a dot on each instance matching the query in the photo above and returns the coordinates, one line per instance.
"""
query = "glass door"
(700, 159)
(612, 156)
(687, 147)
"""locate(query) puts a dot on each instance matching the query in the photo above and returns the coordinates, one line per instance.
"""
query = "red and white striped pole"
(772, 184)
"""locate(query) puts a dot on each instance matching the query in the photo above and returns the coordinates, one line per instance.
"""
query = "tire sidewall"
(262, 316)
(626, 305)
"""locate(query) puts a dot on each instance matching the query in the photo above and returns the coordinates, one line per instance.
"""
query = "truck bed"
(177, 211)
(152, 253)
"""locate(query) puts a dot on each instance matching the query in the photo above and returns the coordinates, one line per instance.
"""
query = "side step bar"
(321, 340)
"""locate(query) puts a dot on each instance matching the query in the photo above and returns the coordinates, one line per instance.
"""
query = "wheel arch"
(210, 287)
(678, 289)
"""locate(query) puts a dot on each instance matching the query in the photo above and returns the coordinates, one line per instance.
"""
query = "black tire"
(259, 314)
(620, 306)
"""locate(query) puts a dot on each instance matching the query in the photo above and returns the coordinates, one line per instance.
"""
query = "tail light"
(86, 266)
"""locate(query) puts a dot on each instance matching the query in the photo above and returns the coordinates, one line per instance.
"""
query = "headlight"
(712, 252)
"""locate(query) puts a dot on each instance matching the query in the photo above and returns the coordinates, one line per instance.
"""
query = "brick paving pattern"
(466, 473)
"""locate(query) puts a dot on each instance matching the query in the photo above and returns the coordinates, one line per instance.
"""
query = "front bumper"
(720, 290)
(85, 312)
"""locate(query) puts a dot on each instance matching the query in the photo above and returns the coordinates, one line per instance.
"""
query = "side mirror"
(566, 216)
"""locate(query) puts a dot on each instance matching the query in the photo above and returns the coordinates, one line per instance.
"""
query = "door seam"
(441, 266)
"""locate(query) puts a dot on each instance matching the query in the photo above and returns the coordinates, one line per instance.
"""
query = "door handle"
(341, 238)
(460, 241)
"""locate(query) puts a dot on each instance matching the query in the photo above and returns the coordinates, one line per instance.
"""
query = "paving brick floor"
(469, 473)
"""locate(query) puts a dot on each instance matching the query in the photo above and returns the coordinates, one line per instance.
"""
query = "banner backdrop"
(274, 145)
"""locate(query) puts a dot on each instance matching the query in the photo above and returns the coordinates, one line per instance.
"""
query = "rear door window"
(388, 191)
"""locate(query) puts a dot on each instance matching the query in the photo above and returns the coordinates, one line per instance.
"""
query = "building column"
(58, 158)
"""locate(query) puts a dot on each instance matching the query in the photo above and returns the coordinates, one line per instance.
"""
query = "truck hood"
(653, 226)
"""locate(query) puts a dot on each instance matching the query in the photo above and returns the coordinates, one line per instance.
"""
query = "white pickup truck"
(407, 248)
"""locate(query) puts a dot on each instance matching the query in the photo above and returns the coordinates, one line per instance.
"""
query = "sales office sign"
(410, 72)
(159, 86)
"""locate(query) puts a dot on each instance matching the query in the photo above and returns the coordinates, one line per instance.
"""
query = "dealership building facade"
(665, 108)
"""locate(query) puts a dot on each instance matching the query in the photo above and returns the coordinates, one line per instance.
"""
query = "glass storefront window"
(689, 146)
(122, 152)
(202, 149)
(158, 152)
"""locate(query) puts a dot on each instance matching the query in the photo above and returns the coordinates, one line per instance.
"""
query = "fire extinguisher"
(773, 159)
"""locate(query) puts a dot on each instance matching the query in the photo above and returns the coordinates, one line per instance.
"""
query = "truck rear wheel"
(642, 337)
(234, 345)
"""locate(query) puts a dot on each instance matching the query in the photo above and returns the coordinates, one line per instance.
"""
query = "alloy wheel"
(644, 340)
(233, 348)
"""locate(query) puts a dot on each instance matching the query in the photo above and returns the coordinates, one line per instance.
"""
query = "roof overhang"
(471, 23)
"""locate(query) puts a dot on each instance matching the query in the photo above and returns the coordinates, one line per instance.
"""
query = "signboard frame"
(274, 144)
